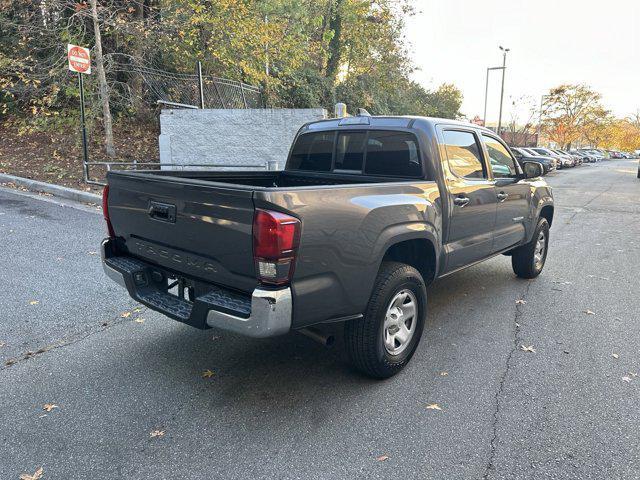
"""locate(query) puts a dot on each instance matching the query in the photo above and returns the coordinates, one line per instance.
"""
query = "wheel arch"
(547, 212)
(418, 252)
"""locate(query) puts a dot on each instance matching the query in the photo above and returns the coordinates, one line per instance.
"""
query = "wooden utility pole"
(102, 83)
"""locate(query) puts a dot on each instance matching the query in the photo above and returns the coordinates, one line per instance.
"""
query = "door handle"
(502, 196)
(461, 201)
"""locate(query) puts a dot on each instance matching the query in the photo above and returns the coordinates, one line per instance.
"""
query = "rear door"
(471, 197)
(193, 227)
(511, 192)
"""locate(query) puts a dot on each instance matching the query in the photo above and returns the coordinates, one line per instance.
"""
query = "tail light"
(105, 210)
(275, 244)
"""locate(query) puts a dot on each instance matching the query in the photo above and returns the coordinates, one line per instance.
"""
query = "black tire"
(523, 259)
(364, 338)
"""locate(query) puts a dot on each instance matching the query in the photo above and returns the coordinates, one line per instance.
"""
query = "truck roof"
(390, 121)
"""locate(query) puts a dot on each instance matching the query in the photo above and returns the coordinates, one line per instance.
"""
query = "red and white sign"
(79, 59)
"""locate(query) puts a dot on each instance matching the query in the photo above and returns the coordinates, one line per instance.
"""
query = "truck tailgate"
(166, 220)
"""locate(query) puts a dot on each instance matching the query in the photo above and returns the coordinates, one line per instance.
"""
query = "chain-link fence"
(188, 90)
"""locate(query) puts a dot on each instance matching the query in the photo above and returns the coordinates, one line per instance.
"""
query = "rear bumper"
(264, 313)
(270, 315)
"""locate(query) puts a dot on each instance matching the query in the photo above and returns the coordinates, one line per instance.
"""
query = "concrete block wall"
(231, 137)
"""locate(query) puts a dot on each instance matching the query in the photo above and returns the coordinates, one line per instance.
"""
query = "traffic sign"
(79, 59)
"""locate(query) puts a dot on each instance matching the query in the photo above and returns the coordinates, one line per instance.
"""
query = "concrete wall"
(232, 138)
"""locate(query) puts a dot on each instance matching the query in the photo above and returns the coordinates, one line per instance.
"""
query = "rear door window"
(394, 154)
(313, 151)
(463, 153)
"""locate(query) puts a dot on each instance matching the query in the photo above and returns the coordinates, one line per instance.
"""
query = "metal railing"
(174, 166)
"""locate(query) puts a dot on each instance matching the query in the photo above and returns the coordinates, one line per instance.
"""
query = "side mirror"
(532, 169)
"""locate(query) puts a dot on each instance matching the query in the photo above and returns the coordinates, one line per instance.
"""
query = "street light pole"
(486, 94)
(504, 68)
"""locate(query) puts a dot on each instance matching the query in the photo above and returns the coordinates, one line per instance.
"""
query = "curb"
(57, 190)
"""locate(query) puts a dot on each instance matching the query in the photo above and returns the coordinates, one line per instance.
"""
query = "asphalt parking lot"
(128, 399)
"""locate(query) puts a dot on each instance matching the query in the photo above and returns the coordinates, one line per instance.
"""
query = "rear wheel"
(528, 260)
(383, 342)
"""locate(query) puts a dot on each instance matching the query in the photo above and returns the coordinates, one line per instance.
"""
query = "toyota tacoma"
(367, 212)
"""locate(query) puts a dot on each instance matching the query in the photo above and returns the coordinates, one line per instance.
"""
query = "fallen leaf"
(528, 349)
(139, 320)
(125, 314)
(34, 302)
(207, 374)
(49, 406)
(444, 374)
(615, 355)
(157, 433)
(626, 379)
(36, 476)
(589, 312)
(521, 302)
(382, 458)
(433, 406)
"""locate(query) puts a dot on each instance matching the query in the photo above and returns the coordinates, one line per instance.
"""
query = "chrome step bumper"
(265, 313)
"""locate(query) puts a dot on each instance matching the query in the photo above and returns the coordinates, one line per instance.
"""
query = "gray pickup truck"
(367, 213)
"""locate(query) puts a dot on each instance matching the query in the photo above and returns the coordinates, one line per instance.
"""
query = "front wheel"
(528, 260)
(384, 340)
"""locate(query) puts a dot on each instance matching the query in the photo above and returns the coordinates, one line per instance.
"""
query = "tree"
(596, 128)
(102, 82)
(317, 52)
(566, 110)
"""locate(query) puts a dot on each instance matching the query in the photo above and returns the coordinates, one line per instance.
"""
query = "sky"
(551, 42)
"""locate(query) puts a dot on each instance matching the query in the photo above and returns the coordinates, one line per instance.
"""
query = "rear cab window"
(313, 152)
(386, 153)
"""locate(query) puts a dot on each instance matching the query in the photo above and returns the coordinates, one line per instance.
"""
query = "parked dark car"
(367, 213)
(548, 163)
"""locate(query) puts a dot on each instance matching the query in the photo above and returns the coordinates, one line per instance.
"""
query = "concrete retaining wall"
(231, 138)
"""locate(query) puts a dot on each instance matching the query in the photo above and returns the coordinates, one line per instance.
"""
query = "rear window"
(313, 152)
(372, 152)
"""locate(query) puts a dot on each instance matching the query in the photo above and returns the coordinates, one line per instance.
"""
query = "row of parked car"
(554, 159)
